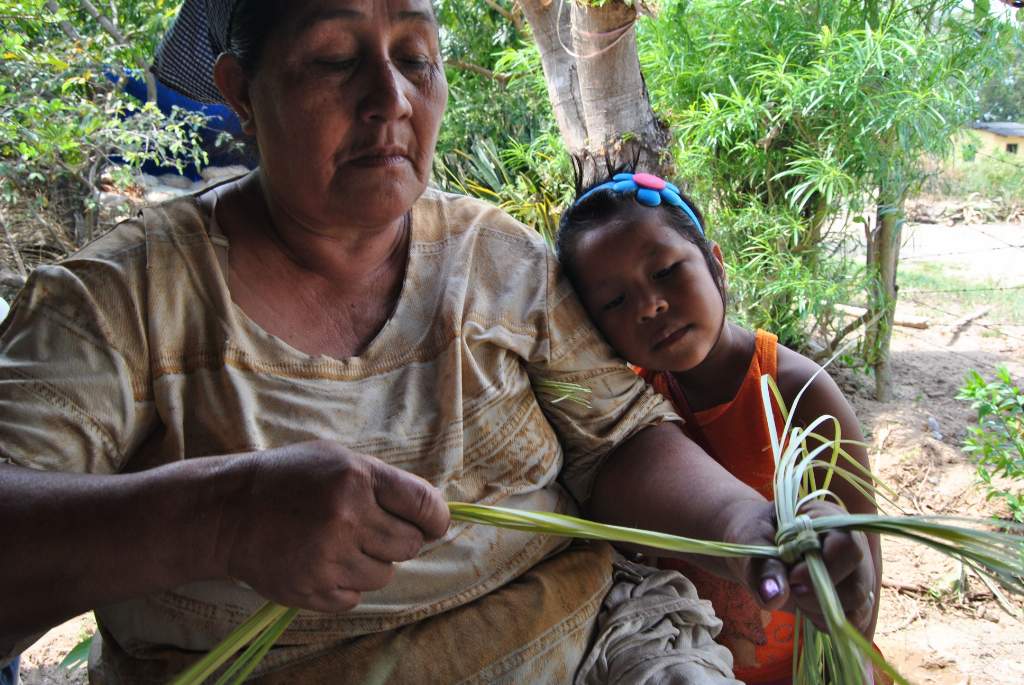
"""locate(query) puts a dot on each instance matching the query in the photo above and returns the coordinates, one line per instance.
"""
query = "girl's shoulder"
(822, 396)
(793, 370)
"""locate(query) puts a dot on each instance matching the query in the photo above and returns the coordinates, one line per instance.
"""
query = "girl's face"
(650, 291)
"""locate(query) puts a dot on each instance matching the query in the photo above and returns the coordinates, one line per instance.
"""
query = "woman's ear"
(717, 252)
(233, 84)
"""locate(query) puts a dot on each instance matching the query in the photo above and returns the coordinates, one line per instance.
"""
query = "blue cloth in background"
(9, 673)
(222, 119)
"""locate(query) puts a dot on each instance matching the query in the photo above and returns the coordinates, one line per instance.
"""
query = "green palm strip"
(801, 456)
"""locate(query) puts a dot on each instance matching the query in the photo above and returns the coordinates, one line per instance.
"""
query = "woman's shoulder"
(444, 216)
(116, 268)
(179, 220)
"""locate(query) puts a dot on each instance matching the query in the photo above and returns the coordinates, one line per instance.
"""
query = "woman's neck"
(718, 378)
(340, 253)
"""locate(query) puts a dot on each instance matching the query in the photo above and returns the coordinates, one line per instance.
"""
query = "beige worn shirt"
(131, 354)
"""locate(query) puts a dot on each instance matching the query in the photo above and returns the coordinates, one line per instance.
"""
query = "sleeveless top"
(736, 435)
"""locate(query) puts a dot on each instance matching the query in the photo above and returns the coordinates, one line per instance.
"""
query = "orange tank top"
(736, 434)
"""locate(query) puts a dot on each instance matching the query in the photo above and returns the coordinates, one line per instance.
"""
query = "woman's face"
(345, 106)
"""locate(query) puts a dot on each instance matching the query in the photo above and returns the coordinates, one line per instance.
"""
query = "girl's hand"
(848, 559)
(778, 587)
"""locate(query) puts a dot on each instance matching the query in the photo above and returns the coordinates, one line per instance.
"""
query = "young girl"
(636, 251)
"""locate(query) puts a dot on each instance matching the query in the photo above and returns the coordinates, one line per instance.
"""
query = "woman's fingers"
(391, 539)
(315, 524)
(362, 573)
(411, 498)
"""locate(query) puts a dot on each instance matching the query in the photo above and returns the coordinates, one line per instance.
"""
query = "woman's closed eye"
(337, 63)
(416, 62)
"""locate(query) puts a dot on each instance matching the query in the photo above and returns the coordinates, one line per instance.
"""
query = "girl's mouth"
(673, 337)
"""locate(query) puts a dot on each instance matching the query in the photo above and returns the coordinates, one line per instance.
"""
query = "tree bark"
(595, 85)
(883, 256)
(548, 24)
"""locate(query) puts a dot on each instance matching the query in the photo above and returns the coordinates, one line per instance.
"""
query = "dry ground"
(933, 632)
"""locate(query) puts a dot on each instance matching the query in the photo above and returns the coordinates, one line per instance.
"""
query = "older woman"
(270, 389)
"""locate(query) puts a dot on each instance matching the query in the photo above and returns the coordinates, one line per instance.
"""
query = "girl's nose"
(652, 308)
(385, 98)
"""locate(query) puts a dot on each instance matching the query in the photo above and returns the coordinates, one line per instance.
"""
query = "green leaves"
(803, 111)
(260, 632)
(805, 465)
(78, 657)
(997, 441)
(62, 120)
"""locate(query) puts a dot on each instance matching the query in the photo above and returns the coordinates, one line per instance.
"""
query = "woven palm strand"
(802, 459)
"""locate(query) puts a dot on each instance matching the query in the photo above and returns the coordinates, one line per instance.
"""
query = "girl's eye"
(666, 271)
(612, 304)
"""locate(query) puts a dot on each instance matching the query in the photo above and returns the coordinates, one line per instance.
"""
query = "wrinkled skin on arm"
(311, 526)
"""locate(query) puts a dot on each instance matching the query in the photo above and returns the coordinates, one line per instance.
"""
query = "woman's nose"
(651, 308)
(385, 98)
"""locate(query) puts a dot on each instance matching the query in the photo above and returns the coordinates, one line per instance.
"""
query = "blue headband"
(649, 191)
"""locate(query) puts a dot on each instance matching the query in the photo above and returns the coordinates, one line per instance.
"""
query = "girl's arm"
(823, 397)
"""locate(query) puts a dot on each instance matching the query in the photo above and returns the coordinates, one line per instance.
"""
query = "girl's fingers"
(771, 588)
(843, 553)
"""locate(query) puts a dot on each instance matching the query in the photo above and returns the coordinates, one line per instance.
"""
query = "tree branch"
(65, 25)
(116, 34)
(511, 16)
(476, 69)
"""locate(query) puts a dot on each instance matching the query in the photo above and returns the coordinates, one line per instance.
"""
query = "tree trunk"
(883, 256)
(596, 89)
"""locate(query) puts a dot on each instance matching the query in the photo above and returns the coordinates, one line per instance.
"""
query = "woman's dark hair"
(606, 206)
(252, 22)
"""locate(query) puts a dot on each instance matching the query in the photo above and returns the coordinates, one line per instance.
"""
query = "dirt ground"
(935, 632)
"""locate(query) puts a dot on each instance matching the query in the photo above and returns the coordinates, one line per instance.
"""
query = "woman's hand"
(776, 586)
(314, 525)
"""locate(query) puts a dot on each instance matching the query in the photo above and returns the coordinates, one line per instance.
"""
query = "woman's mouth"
(380, 161)
(671, 337)
(380, 156)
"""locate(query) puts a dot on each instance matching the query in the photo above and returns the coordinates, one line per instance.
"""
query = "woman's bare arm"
(659, 479)
(311, 525)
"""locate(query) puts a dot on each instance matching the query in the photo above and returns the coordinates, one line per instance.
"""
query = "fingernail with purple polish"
(801, 589)
(769, 589)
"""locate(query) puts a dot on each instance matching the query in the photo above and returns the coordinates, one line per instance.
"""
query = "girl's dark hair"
(605, 206)
(252, 22)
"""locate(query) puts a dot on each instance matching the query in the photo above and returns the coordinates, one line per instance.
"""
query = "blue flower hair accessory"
(649, 190)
